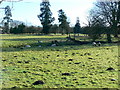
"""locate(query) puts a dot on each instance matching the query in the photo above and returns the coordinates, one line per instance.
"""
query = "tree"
(17, 30)
(118, 30)
(54, 29)
(108, 12)
(7, 19)
(32, 29)
(46, 16)
(118, 14)
(21, 28)
(97, 25)
(64, 25)
(77, 27)
(1, 1)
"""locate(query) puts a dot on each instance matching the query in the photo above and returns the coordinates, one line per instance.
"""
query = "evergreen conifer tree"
(46, 16)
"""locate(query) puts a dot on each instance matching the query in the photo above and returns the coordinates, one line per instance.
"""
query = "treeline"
(20, 29)
(55, 29)
(104, 18)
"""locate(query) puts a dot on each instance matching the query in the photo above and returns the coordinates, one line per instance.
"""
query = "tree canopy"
(105, 14)
(46, 16)
(77, 26)
(64, 25)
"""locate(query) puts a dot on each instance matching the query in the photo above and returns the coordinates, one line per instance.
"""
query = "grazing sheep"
(27, 46)
(94, 44)
(53, 45)
(40, 41)
(99, 44)
(39, 46)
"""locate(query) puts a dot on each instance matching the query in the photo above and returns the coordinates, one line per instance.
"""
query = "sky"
(27, 10)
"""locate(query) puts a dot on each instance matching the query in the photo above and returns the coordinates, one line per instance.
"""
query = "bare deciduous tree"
(108, 14)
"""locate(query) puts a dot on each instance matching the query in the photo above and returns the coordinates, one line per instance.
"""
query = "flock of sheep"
(96, 44)
(56, 43)
(53, 43)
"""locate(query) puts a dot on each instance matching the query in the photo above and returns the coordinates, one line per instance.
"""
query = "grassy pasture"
(65, 66)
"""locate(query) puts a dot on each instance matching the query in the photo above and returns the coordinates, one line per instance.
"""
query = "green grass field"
(65, 66)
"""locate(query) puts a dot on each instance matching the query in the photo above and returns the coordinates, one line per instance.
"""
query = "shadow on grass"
(46, 45)
(64, 46)
(27, 39)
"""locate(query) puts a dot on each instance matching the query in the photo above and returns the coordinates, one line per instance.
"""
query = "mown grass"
(86, 66)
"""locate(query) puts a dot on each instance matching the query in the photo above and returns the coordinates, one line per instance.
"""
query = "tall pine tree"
(46, 16)
(7, 19)
(77, 27)
(64, 25)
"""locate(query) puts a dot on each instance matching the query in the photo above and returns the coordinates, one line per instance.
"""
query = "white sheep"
(39, 46)
(53, 45)
(40, 41)
(94, 44)
(99, 44)
(27, 46)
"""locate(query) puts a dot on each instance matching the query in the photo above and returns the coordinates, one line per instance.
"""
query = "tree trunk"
(109, 38)
(69, 35)
(8, 31)
(74, 35)
(62, 32)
